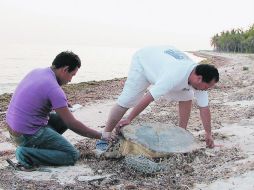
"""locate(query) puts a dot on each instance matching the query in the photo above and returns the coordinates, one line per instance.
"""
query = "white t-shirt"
(168, 69)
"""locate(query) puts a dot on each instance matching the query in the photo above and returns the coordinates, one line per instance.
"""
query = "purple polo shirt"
(34, 98)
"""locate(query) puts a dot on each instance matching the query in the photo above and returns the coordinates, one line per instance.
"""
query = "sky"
(186, 24)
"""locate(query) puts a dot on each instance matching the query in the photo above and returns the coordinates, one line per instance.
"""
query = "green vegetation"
(235, 40)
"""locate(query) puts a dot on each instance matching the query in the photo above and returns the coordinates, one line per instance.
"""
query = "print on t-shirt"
(176, 54)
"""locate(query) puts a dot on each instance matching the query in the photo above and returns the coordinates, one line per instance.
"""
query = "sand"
(228, 167)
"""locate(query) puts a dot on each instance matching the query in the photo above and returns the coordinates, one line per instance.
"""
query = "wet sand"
(229, 167)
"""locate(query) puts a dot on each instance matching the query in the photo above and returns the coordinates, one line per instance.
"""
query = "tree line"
(236, 40)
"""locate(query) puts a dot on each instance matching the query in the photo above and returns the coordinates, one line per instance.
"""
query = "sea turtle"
(152, 140)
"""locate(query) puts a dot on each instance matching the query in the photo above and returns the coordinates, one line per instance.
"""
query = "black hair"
(208, 72)
(67, 58)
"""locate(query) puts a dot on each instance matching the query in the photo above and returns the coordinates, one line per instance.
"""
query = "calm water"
(98, 63)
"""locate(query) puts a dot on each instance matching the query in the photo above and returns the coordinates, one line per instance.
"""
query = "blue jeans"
(47, 146)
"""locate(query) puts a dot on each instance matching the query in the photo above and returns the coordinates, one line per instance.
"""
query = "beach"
(232, 108)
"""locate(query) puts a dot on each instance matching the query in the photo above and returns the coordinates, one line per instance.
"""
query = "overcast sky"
(187, 24)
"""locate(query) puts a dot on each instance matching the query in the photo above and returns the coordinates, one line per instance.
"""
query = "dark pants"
(47, 146)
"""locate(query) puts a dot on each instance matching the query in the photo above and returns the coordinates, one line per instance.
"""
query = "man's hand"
(209, 141)
(106, 136)
(122, 123)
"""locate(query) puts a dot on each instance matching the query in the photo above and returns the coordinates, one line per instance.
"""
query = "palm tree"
(235, 40)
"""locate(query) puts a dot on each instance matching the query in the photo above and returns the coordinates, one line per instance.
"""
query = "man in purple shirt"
(32, 124)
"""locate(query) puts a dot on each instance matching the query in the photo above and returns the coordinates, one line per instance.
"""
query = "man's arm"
(206, 120)
(76, 125)
(144, 102)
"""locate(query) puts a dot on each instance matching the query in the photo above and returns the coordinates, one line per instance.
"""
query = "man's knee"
(186, 102)
(75, 156)
(71, 157)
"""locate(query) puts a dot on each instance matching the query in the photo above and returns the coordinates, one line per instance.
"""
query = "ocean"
(98, 63)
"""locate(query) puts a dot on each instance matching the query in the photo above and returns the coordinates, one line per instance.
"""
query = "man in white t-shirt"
(173, 76)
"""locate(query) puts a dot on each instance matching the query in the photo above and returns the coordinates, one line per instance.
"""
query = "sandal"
(102, 145)
(20, 167)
